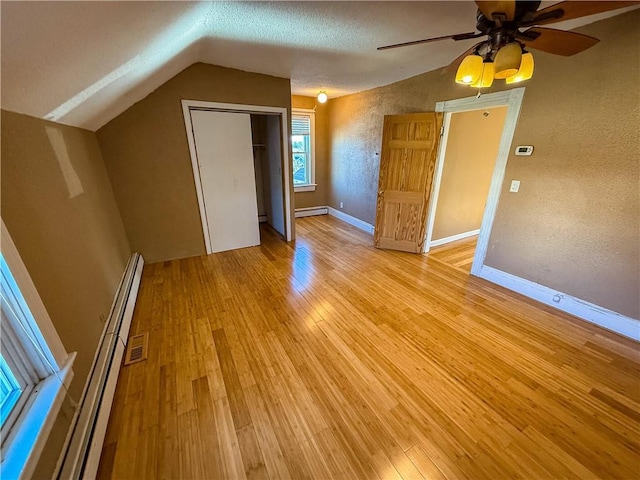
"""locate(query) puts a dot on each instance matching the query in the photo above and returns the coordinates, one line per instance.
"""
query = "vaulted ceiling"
(83, 63)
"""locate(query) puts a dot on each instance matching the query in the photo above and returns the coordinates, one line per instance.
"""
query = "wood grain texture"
(458, 254)
(330, 359)
(407, 166)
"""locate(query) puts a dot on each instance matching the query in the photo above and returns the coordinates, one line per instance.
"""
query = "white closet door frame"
(188, 105)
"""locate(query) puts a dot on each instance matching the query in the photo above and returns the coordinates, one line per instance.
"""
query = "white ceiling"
(83, 63)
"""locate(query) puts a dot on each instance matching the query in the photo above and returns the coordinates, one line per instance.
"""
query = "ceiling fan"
(511, 27)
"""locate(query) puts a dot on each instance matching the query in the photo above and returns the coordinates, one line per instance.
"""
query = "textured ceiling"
(83, 63)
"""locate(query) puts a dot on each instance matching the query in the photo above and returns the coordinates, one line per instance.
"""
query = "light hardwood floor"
(328, 359)
(458, 254)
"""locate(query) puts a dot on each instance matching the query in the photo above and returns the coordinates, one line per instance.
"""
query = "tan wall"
(320, 196)
(472, 148)
(61, 213)
(147, 156)
(67, 228)
(574, 225)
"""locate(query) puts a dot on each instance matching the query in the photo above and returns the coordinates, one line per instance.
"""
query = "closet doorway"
(222, 145)
(267, 162)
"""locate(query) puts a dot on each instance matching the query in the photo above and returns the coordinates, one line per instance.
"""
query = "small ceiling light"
(486, 79)
(322, 97)
(525, 72)
(507, 61)
(470, 70)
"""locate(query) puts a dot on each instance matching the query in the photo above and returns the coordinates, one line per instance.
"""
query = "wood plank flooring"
(458, 254)
(330, 359)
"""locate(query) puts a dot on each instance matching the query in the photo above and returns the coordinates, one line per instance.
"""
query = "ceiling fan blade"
(567, 10)
(508, 7)
(558, 42)
(457, 36)
(454, 65)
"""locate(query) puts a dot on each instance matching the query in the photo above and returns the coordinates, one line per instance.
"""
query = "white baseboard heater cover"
(84, 443)
(310, 211)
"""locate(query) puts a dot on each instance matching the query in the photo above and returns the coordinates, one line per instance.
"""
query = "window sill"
(305, 188)
(29, 434)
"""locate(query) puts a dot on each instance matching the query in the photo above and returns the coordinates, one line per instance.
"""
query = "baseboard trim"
(356, 222)
(311, 211)
(603, 317)
(453, 238)
(262, 218)
(81, 454)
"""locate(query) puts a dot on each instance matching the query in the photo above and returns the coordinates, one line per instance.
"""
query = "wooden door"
(407, 167)
(225, 160)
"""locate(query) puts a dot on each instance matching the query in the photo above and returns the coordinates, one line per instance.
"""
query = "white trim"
(106, 402)
(29, 436)
(26, 439)
(454, 238)
(311, 186)
(627, 326)
(83, 446)
(513, 100)
(311, 211)
(32, 298)
(356, 222)
(435, 191)
(262, 218)
(187, 105)
(305, 188)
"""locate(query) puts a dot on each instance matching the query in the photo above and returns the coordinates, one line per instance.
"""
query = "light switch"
(515, 186)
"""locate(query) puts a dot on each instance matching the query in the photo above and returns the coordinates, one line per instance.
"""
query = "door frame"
(511, 99)
(188, 105)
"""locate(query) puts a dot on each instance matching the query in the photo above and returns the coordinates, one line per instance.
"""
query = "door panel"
(407, 168)
(225, 159)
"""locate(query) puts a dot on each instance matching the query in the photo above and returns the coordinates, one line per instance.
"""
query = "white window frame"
(36, 349)
(309, 187)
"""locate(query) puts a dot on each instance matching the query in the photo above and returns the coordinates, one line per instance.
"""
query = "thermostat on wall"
(524, 150)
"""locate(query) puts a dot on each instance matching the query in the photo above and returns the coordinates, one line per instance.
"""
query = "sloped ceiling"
(83, 63)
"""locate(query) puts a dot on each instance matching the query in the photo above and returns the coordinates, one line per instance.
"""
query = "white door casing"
(283, 113)
(513, 100)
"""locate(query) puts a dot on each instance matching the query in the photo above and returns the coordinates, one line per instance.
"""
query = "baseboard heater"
(311, 211)
(81, 457)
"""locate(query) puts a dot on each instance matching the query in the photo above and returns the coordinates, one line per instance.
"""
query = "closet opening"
(241, 170)
(267, 161)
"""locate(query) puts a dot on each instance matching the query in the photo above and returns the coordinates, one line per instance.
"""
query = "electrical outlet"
(515, 186)
(341, 204)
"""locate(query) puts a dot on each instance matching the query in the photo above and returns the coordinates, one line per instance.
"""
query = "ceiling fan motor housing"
(502, 31)
(515, 23)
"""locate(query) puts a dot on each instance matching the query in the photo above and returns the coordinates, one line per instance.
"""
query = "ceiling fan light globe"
(486, 79)
(507, 61)
(525, 72)
(470, 70)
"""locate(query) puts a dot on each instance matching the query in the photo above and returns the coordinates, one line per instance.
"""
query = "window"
(10, 390)
(18, 349)
(303, 149)
(34, 367)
